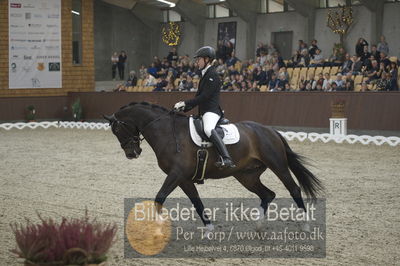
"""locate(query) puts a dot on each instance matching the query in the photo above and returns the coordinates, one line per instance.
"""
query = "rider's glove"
(179, 106)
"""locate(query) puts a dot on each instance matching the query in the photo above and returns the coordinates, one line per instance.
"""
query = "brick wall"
(74, 77)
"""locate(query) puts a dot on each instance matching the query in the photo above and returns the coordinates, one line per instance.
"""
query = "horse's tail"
(310, 184)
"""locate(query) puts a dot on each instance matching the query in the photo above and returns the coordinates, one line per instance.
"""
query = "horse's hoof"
(306, 227)
(208, 231)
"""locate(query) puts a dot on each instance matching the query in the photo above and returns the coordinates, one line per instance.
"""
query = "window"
(220, 10)
(171, 15)
(76, 32)
(273, 6)
(336, 3)
(263, 6)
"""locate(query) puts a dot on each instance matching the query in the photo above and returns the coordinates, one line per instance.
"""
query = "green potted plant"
(77, 110)
(70, 242)
(31, 113)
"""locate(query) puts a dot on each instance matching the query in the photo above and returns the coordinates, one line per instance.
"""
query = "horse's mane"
(151, 106)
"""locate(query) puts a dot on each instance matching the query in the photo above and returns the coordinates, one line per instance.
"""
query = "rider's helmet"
(205, 51)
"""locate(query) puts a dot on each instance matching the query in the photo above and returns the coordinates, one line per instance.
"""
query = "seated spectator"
(302, 84)
(161, 84)
(383, 84)
(142, 72)
(375, 53)
(383, 46)
(340, 84)
(260, 76)
(263, 58)
(329, 87)
(152, 70)
(375, 72)
(227, 84)
(356, 67)
(273, 83)
(301, 45)
(132, 79)
(232, 60)
(195, 86)
(384, 60)
(364, 87)
(318, 60)
(221, 68)
(149, 81)
(365, 55)
(282, 81)
(311, 84)
(288, 87)
(260, 49)
(254, 86)
(393, 86)
(347, 65)
(283, 70)
(327, 82)
(173, 55)
(393, 71)
(334, 87)
(271, 49)
(349, 82)
(338, 56)
(320, 82)
(170, 82)
(304, 59)
(295, 59)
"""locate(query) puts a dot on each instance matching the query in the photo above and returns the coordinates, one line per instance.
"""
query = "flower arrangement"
(31, 113)
(73, 241)
(77, 110)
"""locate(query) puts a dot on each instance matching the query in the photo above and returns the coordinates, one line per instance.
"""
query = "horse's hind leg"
(251, 181)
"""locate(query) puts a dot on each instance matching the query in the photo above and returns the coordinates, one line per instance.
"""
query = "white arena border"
(289, 135)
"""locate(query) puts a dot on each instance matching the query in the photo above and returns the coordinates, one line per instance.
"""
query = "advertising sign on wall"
(34, 44)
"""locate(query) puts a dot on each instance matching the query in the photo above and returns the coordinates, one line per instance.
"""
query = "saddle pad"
(231, 132)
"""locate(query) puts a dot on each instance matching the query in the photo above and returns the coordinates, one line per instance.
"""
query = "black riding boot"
(226, 161)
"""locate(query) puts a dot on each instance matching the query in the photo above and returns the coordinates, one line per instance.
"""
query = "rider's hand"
(179, 106)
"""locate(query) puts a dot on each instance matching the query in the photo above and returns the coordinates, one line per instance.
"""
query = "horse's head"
(128, 136)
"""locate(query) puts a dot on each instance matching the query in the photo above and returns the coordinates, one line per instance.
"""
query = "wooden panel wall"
(370, 110)
(74, 77)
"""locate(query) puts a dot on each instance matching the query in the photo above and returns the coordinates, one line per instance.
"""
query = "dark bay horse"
(260, 147)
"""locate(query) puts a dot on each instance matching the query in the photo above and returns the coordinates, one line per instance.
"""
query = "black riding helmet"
(205, 51)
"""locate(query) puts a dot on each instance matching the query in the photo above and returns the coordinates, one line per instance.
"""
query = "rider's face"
(200, 62)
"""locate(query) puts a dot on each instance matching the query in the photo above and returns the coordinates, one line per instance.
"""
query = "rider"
(207, 98)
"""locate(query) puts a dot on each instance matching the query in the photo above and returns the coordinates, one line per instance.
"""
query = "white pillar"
(338, 126)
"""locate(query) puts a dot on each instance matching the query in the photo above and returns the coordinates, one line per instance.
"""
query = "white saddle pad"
(231, 133)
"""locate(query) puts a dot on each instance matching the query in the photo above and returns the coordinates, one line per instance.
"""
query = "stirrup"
(225, 163)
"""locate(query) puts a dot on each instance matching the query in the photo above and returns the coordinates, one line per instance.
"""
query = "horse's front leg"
(170, 183)
(191, 191)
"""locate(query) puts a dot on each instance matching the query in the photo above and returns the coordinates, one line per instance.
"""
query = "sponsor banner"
(34, 44)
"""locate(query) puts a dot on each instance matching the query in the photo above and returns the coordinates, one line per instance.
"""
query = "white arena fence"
(289, 135)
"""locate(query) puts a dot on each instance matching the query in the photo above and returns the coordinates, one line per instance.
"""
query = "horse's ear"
(109, 118)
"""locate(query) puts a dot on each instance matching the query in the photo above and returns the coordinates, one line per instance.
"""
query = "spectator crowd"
(269, 72)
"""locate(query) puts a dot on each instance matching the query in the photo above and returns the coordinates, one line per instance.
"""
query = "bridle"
(133, 139)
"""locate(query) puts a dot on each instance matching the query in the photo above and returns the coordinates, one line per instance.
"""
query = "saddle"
(228, 133)
(198, 124)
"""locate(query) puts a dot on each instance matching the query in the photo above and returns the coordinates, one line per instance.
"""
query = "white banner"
(34, 44)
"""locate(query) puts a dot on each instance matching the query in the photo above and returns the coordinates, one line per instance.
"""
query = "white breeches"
(210, 120)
